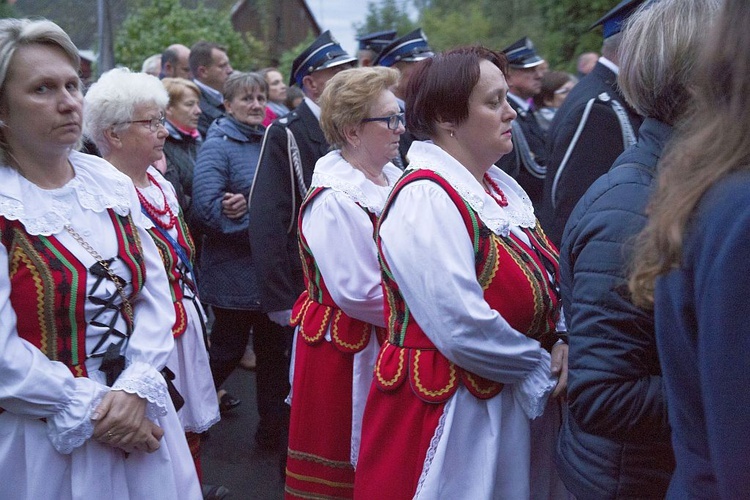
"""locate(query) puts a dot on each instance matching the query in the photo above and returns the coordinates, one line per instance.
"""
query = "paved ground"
(230, 456)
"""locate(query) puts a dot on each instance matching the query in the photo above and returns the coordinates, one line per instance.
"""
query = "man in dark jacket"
(210, 67)
(528, 161)
(592, 127)
(291, 147)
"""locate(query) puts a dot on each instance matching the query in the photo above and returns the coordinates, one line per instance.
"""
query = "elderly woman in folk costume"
(124, 116)
(341, 312)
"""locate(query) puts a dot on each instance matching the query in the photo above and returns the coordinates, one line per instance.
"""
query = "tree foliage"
(558, 28)
(7, 10)
(389, 15)
(154, 25)
(567, 23)
(286, 59)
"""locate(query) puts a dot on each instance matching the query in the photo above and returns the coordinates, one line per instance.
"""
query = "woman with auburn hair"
(472, 305)
(615, 440)
(85, 310)
(692, 266)
(341, 312)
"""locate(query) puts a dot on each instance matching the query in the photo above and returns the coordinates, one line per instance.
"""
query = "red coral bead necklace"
(494, 191)
(156, 213)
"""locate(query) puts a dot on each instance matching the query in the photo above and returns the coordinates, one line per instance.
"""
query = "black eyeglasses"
(153, 123)
(392, 121)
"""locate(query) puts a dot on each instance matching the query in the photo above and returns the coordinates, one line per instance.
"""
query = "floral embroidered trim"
(352, 191)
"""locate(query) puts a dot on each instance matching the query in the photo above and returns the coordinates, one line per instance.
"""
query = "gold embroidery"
(323, 325)
(494, 387)
(335, 333)
(397, 377)
(19, 255)
(309, 457)
(491, 265)
(424, 390)
(534, 286)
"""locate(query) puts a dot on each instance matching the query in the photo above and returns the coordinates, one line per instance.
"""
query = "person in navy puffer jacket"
(224, 172)
(615, 438)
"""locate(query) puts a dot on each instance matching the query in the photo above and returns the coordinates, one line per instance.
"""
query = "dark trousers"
(229, 335)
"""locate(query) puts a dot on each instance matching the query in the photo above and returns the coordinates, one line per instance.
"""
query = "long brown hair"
(712, 143)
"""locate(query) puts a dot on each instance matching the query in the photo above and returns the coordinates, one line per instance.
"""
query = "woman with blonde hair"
(341, 311)
(184, 140)
(692, 266)
(85, 311)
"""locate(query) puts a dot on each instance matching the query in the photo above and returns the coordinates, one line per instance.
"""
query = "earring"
(452, 133)
(2, 123)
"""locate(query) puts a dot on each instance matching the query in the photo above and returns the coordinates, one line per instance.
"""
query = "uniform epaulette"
(287, 119)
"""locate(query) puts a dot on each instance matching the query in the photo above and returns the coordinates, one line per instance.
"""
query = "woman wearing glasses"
(471, 305)
(85, 310)
(124, 117)
(341, 311)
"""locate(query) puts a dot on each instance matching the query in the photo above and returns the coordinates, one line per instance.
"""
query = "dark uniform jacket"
(597, 146)
(528, 160)
(211, 108)
(275, 199)
(615, 439)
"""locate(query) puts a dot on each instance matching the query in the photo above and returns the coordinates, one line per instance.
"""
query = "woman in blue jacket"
(615, 439)
(695, 250)
(224, 172)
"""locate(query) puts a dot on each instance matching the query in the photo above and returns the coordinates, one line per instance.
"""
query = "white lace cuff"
(143, 380)
(72, 426)
(532, 392)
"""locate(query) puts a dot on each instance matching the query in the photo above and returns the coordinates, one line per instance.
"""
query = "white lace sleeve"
(142, 379)
(533, 391)
(72, 426)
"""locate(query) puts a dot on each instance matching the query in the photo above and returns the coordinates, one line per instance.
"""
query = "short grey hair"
(111, 101)
(15, 33)
(239, 81)
(659, 54)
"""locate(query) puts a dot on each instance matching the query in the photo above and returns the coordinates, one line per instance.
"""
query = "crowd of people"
(456, 274)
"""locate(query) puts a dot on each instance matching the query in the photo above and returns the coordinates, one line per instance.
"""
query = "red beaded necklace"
(155, 212)
(495, 191)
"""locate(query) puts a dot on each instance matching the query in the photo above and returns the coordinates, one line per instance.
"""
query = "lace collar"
(97, 186)
(333, 171)
(519, 212)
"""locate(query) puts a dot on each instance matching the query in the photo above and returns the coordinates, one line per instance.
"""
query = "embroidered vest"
(315, 309)
(48, 288)
(515, 283)
(177, 279)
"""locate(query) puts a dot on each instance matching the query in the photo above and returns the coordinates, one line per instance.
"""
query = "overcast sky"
(338, 16)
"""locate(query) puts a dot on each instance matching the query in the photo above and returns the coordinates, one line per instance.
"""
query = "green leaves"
(153, 26)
